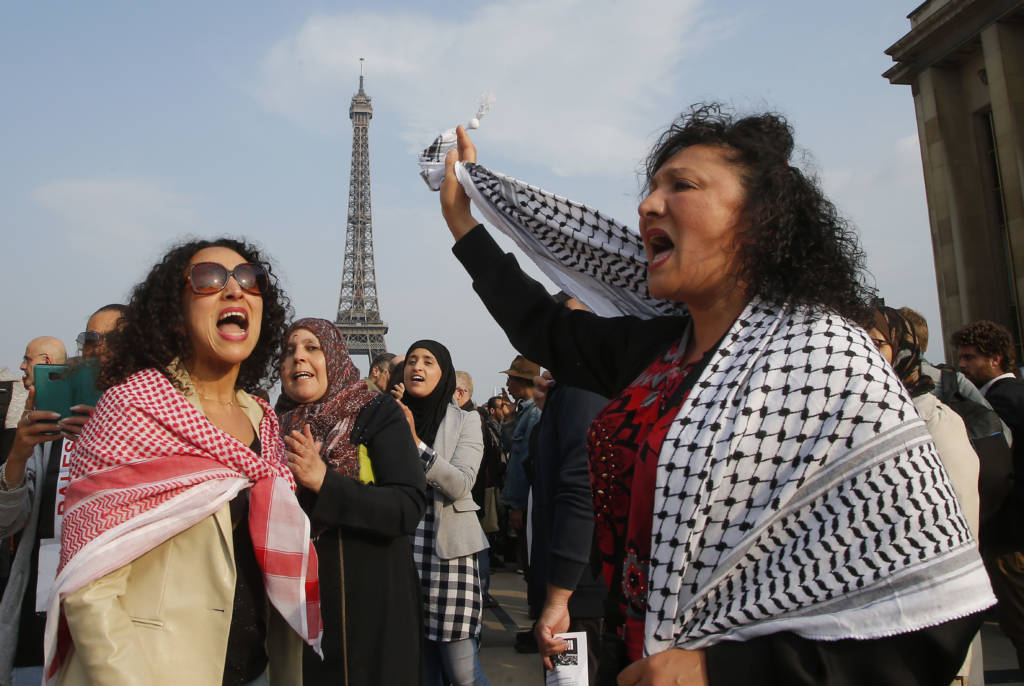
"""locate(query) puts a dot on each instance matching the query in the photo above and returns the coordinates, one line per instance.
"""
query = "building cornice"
(939, 37)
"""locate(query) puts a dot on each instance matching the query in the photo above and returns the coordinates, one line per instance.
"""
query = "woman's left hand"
(673, 667)
(412, 422)
(71, 427)
(304, 458)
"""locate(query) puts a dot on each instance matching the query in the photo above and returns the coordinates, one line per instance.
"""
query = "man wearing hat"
(517, 488)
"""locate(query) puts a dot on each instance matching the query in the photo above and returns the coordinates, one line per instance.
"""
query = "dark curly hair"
(991, 340)
(796, 249)
(150, 332)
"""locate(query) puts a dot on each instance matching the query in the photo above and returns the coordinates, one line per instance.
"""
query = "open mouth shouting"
(659, 247)
(233, 324)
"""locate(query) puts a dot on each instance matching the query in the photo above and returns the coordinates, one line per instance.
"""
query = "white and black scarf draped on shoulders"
(797, 489)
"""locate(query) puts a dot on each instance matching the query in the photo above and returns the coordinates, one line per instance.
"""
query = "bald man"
(28, 501)
(42, 350)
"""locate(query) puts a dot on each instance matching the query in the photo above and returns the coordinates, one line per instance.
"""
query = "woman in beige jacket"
(185, 556)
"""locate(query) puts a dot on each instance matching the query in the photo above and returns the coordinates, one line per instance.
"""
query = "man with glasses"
(92, 341)
(31, 503)
(42, 350)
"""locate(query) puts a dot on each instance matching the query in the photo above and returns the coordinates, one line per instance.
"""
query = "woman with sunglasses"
(350, 450)
(186, 558)
(446, 541)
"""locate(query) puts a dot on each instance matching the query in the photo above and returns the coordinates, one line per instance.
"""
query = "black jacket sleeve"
(927, 657)
(599, 354)
(568, 413)
(394, 504)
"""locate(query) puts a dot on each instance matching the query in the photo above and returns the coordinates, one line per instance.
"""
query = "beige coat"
(163, 619)
(955, 452)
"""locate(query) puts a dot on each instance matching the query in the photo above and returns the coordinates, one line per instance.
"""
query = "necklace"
(226, 403)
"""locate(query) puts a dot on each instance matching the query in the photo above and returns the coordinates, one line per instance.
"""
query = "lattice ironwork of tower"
(358, 312)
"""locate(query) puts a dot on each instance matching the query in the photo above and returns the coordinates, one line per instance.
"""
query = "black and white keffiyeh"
(797, 489)
(585, 253)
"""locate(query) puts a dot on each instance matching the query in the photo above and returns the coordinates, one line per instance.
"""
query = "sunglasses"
(207, 278)
(89, 338)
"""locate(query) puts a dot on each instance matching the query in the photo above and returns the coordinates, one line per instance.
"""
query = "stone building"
(964, 63)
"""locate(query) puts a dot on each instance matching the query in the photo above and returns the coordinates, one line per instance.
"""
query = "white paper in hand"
(570, 665)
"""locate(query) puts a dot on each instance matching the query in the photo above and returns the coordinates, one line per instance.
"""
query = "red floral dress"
(624, 442)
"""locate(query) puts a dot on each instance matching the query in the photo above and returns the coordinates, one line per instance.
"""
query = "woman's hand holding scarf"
(454, 201)
(304, 458)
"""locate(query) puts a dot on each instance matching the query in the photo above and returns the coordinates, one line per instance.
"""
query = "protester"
(563, 545)
(485, 495)
(464, 391)
(961, 384)
(173, 569)
(750, 470)
(986, 356)
(380, 372)
(28, 485)
(362, 529)
(515, 494)
(447, 540)
(894, 337)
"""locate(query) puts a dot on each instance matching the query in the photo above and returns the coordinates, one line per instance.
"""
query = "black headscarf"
(429, 412)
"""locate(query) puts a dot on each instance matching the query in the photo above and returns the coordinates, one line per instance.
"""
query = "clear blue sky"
(127, 126)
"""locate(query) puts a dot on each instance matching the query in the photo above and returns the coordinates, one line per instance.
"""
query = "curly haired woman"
(752, 471)
(173, 569)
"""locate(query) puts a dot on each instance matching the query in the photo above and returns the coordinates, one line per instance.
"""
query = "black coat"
(564, 548)
(369, 588)
(604, 355)
(1007, 398)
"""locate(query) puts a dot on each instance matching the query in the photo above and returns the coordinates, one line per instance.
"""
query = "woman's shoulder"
(938, 416)
(143, 384)
(457, 415)
(378, 413)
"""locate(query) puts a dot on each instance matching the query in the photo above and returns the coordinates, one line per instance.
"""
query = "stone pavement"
(503, 666)
(999, 657)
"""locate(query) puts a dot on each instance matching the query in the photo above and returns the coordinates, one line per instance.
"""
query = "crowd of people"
(764, 481)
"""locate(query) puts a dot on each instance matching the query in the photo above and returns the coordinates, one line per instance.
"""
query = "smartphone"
(59, 387)
(84, 375)
(53, 388)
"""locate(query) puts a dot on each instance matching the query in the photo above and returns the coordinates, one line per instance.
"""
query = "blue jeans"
(459, 661)
(28, 676)
(483, 566)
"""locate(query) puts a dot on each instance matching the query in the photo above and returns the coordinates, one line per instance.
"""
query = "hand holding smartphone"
(61, 386)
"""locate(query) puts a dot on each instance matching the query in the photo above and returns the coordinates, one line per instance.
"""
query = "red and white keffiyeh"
(148, 466)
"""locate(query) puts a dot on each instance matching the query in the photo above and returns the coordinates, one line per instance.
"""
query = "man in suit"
(986, 356)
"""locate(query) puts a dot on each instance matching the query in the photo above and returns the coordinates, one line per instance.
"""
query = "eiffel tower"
(358, 312)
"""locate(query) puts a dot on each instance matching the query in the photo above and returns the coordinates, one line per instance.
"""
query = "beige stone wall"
(979, 267)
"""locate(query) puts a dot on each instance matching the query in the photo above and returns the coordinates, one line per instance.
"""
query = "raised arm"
(600, 354)
(454, 201)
